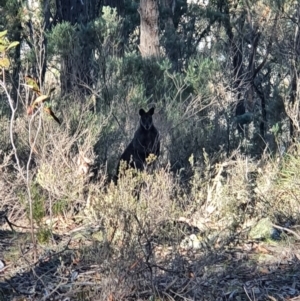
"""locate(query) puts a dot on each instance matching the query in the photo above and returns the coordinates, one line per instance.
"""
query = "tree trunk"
(294, 93)
(149, 32)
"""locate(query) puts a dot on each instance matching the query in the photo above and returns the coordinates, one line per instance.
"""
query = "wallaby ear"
(142, 112)
(151, 111)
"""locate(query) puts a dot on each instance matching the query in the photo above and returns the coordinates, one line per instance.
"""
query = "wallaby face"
(146, 119)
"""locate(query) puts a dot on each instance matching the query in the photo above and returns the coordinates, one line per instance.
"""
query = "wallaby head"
(146, 118)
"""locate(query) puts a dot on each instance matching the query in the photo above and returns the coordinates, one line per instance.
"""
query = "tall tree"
(149, 29)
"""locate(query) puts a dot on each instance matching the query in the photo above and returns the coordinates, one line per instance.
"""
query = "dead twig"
(287, 230)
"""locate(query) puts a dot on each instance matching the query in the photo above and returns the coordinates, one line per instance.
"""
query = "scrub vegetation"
(213, 213)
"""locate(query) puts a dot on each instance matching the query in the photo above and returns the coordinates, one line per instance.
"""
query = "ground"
(77, 264)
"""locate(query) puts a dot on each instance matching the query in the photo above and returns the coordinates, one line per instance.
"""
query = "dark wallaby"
(144, 143)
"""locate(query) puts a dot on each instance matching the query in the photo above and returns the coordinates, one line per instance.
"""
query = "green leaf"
(40, 99)
(32, 83)
(13, 44)
(2, 48)
(3, 33)
(4, 42)
(4, 62)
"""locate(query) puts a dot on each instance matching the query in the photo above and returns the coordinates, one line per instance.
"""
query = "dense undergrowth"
(184, 231)
(141, 232)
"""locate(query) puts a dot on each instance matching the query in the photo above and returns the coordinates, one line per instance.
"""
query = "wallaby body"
(144, 143)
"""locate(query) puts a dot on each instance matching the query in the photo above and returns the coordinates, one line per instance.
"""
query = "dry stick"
(168, 270)
(9, 223)
(170, 297)
(13, 224)
(27, 176)
(247, 293)
(171, 284)
(58, 286)
(287, 230)
(11, 123)
(150, 252)
(26, 179)
(178, 295)
(41, 280)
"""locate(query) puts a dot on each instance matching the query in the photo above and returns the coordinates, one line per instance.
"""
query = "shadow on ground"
(82, 268)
